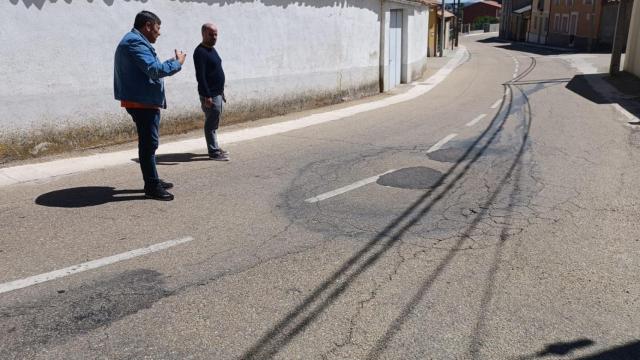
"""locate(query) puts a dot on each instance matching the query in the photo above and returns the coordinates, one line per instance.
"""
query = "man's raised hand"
(180, 56)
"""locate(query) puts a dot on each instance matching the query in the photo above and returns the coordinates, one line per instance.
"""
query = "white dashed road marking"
(496, 104)
(476, 120)
(441, 143)
(344, 189)
(56, 274)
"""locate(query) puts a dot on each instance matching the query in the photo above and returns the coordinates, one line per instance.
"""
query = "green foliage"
(481, 20)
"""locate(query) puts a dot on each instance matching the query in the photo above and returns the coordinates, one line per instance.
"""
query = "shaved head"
(209, 26)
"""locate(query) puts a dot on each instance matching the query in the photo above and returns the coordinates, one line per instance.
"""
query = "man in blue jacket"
(139, 86)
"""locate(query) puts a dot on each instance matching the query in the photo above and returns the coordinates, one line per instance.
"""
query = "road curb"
(52, 169)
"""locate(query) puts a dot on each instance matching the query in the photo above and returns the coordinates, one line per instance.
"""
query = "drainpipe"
(548, 28)
(592, 24)
(382, 39)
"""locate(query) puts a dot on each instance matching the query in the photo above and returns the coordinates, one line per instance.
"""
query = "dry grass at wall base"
(57, 139)
(52, 140)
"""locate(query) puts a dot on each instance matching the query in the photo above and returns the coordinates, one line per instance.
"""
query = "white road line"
(441, 143)
(37, 279)
(343, 190)
(47, 170)
(475, 121)
(496, 104)
(627, 114)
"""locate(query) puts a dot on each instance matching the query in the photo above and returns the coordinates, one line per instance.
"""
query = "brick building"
(481, 8)
(539, 26)
(574, 23)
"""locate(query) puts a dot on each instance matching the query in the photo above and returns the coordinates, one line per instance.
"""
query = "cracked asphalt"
(518, 239)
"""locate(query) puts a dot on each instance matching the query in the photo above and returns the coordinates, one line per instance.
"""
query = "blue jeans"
(212, 117)
(147, 123)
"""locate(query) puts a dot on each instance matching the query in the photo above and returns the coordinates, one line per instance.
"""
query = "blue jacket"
(138, 72)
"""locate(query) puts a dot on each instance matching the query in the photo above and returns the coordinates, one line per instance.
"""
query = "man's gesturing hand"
(180, 56)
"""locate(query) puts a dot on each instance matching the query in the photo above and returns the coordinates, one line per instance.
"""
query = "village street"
(493, 217)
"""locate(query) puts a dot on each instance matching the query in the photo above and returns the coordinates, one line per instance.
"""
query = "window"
(565, 23)
(545, 25)
(556, 23)
(573, 24)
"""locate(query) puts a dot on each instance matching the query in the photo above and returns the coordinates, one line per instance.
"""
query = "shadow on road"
(527, 47)
(324, 295)
(530, 49)
(174, 159)
(628, 351)
(623, 90)
(87, 196)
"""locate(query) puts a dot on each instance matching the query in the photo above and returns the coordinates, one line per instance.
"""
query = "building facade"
(514, 22)
(574, 23)
(539, 26)
(481, 8)
(278, 56)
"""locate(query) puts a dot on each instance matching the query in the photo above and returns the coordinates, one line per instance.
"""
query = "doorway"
(395, 48)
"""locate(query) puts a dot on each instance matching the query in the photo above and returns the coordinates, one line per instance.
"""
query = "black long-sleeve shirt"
(209, 71)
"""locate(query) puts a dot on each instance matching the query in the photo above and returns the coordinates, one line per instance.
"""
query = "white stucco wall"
(57, 60)
(415, 34)
(632, 57)
(418, 43)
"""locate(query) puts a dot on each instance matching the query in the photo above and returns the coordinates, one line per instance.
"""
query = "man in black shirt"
(210, 78)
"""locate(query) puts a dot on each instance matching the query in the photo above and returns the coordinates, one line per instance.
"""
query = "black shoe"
(158, 193)
(219, 151)
(165, 185)
(219, 157)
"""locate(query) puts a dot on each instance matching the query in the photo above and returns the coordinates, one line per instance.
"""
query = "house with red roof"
(481, 8)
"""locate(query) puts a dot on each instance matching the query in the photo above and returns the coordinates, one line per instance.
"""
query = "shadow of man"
(174, 159)
(87, 196)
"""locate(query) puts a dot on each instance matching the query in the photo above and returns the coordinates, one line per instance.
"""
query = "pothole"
(411, 178)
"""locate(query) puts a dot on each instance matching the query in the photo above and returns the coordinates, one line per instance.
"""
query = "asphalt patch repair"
(67, 313)
(418, 178)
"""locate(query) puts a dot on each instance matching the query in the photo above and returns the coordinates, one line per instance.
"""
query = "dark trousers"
(147, 123)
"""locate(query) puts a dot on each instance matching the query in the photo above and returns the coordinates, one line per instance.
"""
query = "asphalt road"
(512, 235)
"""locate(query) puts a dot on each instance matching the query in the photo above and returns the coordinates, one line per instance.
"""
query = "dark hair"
(144, 17)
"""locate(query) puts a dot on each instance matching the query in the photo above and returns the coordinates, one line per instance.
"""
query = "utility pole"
(442, 32)
(619, 36)
(458, 20)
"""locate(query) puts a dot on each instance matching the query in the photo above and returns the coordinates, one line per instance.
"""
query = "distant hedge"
(481, 20)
